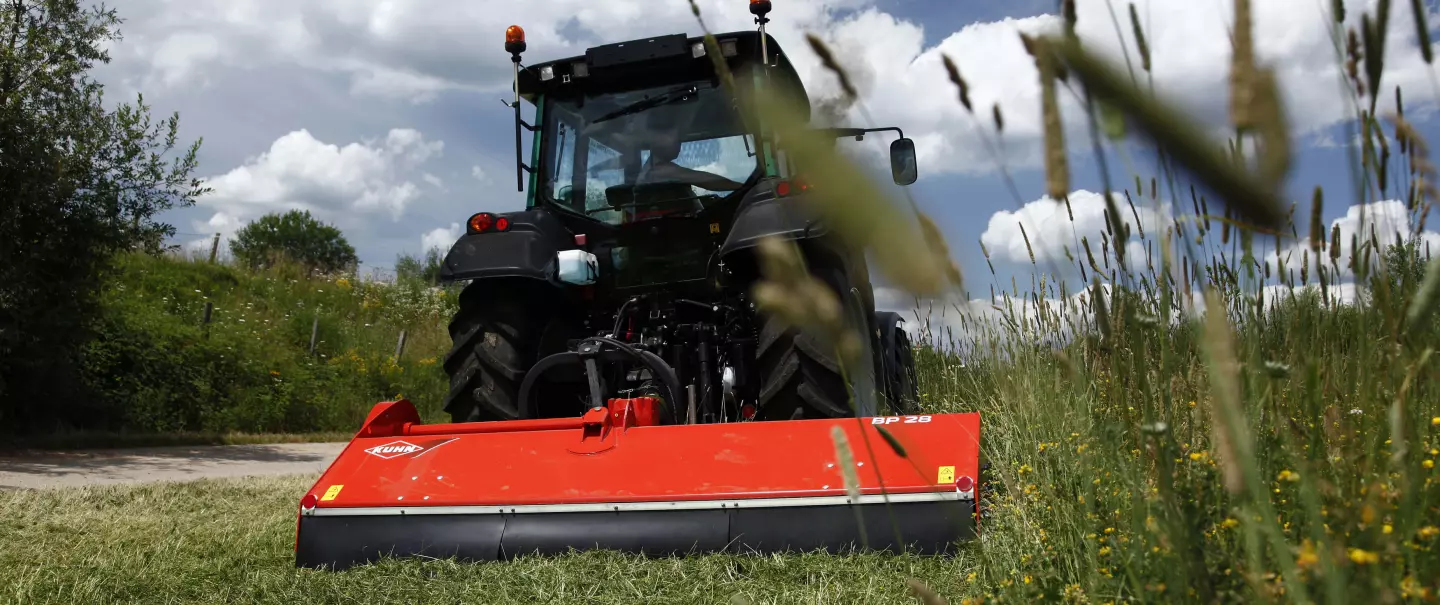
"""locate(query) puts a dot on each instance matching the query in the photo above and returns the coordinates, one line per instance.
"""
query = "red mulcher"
(612, 383)
(612, 479)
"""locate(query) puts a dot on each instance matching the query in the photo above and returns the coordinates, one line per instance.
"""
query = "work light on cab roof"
(612, 383)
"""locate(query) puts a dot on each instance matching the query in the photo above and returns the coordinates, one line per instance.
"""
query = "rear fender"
(763, 214)
(527, 249)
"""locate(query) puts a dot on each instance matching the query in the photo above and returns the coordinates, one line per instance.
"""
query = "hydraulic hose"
(662, 370)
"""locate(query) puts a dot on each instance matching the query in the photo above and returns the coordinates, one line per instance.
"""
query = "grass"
(217, 541)
(1199, 425)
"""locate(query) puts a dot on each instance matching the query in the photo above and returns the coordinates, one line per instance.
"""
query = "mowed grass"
(230, 541)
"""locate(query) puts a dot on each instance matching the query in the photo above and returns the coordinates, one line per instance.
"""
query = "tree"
(425, 271)
(80, 183)
(294, 237)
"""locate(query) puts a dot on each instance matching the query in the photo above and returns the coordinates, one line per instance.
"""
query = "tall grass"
(1204, 422)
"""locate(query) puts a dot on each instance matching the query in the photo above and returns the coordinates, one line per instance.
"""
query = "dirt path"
(96, 467)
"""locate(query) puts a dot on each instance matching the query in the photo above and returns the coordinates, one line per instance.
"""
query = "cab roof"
(656, 60)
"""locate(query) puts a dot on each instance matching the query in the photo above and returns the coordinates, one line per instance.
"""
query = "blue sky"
(384, 116)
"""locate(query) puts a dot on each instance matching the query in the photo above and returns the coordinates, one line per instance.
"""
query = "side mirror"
(902, 162)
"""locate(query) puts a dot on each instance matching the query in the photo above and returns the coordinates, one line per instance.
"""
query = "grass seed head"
(954, 73)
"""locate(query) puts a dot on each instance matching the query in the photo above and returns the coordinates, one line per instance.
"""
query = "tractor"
(631, 268)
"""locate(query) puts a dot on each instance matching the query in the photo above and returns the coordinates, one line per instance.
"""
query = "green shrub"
(157, 366)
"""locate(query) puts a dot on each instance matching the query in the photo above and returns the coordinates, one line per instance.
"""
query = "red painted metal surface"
(610, 455)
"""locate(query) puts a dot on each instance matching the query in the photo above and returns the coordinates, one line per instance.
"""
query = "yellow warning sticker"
(335, 491)
(947, 475)
(714, 227)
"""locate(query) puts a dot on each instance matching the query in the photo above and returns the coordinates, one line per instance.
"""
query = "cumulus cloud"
(338, 184)
(1386, 223)
(415, 49)
(441, 237)
(1053, 229)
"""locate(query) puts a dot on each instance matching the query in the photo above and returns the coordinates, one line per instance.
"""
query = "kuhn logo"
(391, 450)
(395, 449)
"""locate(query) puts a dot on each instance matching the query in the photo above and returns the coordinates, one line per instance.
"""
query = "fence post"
(209, 307)
(214, 247)
(314, 332)
(400, 346)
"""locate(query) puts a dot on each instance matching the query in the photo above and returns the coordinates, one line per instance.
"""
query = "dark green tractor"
(629, 272)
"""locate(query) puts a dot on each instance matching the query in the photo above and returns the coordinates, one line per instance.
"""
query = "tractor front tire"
(494, 343)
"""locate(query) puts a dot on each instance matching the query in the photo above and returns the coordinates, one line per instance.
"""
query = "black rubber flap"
(919, 527)
(660, 533)
(930, 528)
(339, 542)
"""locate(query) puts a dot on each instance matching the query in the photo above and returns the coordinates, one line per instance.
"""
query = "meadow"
(1201, 422)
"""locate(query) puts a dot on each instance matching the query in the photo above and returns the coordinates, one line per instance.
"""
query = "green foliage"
(424, 271)
(297, 237)
(80, 183)
(156, 366)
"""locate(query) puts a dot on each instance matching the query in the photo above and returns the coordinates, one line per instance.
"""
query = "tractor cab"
(641, 129)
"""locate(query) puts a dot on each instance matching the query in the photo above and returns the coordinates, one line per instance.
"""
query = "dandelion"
(1363, 557)
(1428, 464)
(1435, 421)
(1230, 523)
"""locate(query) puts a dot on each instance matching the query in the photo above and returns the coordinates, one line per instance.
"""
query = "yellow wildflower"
(1429, 531)
(1428, 464)
(1307, 557)
(1229, 523)
(1411, 589)
(1363, 557)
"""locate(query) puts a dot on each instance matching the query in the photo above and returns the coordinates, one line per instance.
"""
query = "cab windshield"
(619, 157)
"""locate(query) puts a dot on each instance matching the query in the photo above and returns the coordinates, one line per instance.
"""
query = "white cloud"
(1387, 222)
(479, 174)
(1052, 230)
(441, 237)
(338, 184)
(415, 49)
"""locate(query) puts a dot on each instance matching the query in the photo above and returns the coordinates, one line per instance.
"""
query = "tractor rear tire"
(897, 356)
(801, 377)
(495, 341)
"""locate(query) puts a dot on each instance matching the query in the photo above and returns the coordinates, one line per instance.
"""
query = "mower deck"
(612, 480)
